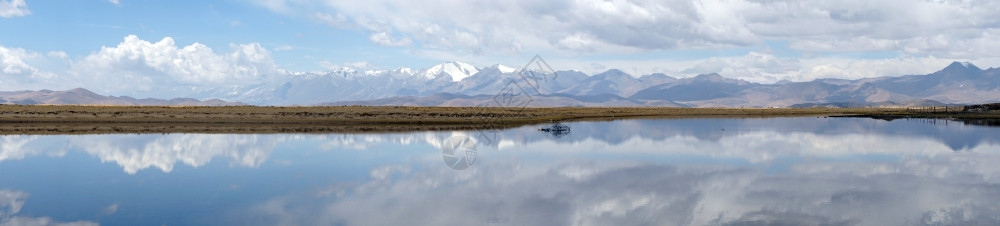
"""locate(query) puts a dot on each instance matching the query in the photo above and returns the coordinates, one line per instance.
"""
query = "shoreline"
(75, 119)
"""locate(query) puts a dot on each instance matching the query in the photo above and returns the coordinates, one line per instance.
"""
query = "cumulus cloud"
(13, 8)
(924, 30)
(589, 25)
(473, 26)
(12, 63)
(22, 69)
(140, 68)
(150, 66)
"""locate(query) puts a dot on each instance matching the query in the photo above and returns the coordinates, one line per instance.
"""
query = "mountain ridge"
(81, 96)
(455, 84)
(957, 83)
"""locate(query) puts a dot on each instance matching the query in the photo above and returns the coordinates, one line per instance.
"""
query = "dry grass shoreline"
(48, 119)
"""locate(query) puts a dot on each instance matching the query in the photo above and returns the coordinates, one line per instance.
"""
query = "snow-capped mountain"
(457, 83)
(348, 84)
(461, 84)
(455, 70)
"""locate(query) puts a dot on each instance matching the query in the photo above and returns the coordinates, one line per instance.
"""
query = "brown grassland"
(74, 119)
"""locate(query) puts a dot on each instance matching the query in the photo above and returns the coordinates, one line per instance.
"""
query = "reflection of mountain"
(955, 135)
(750, 139)
(780, 171)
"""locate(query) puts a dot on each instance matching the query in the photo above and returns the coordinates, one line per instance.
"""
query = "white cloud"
(138, 68)
(116, 2)
(17, 71)
(11, 62)
(470, 26)
(643, 25)
(924, 30)
(13, 8)
(385, 39)
(150, 66)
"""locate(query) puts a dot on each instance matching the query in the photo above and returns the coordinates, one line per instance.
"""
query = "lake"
(734, 171)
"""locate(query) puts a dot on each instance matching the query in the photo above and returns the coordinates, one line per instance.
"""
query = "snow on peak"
(501, 68)
(961, 66)
(457, 70)
(373, 72)
(405, 70)
(505, 68)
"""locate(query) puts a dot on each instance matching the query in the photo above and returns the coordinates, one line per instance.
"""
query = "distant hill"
(459, 84)
(80, 96)
(913, 103)
(454, 100)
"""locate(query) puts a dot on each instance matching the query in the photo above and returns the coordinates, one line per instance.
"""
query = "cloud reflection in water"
(685, 172)
(10, 206)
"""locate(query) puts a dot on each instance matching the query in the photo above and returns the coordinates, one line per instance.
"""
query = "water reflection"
(11, 203)
(557, 130)
(459, 152)
(789, 171)
(137, 152)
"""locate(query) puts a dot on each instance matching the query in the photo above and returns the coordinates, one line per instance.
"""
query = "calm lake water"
(794, 171)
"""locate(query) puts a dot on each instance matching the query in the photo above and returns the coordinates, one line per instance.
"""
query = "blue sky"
(64, 44)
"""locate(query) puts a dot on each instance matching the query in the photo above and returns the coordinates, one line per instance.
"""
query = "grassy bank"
(374, 115)
(35, 119)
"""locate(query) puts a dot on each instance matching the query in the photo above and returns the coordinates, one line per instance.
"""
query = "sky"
(96, 44)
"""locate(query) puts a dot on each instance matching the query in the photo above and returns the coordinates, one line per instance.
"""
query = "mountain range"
(80, 96)
(461, 84)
